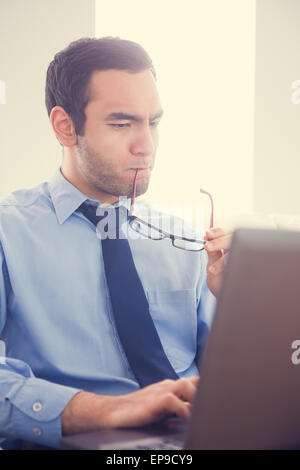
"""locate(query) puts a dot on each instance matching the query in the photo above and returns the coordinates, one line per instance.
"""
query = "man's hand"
(90, 412)
(217, 247)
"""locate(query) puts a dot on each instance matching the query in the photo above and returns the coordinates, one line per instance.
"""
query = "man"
(67, 367)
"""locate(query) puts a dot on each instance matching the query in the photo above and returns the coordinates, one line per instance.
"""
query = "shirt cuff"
(35, 411)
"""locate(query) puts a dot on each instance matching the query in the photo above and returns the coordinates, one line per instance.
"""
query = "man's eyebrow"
(130, 117)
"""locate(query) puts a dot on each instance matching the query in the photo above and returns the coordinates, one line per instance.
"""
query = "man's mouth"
(141, 168)
(142, 171)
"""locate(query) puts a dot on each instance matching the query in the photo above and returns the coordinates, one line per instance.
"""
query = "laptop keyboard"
(151, 443)
(164, 444)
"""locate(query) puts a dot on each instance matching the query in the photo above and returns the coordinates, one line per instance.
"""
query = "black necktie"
(133, 321)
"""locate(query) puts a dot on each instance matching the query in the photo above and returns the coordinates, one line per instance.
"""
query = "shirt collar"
(66, 198)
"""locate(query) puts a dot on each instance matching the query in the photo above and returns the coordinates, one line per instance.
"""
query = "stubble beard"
(100, 174)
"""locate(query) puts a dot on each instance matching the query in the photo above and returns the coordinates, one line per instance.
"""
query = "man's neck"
(73, 177)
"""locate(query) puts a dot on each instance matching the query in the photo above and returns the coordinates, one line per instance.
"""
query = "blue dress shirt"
(57, 332)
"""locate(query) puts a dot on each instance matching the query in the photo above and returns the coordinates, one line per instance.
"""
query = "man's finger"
(185, 389)
(194, 380)
(170, 404)
(218, 266)
(217, 232)
(216, 244)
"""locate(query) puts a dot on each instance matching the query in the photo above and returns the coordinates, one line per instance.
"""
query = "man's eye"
(120, 125)
(127, 124)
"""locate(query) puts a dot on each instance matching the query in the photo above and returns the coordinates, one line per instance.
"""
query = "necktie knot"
(108, 220)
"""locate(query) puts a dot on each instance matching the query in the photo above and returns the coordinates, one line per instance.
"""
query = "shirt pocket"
(174, 313)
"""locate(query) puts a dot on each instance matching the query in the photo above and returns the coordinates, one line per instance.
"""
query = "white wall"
(277, 107)
(31, 32)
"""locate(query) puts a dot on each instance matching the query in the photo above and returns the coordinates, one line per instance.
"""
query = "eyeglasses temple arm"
(211, 205)
(133, 193)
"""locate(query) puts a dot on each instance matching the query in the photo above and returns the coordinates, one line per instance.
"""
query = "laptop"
(248, 395)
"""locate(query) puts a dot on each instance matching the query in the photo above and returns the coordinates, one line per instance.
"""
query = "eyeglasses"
(156, 233)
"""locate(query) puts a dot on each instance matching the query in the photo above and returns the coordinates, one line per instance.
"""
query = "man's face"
(120, 132)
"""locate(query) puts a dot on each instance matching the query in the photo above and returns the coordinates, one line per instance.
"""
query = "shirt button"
(37, 406)
(37, 432)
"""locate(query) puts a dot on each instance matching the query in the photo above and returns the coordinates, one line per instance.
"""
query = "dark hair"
(69, 72)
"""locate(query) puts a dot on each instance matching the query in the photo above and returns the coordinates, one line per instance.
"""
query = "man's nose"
(143, 143)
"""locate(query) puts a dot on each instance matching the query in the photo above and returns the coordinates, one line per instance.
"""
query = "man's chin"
(126, 189)
(141, 186)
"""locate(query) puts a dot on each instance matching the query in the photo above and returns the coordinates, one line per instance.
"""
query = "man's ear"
(63, 126)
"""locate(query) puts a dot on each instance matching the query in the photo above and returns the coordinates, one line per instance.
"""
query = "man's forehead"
(115, 88)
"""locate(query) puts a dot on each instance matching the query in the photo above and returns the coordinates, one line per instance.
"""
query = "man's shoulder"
(22, 198)
(22, 205)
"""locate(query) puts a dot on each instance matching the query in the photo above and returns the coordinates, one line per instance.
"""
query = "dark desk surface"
(99, 439)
